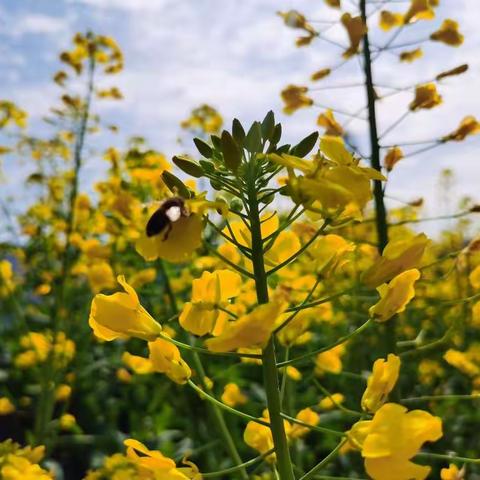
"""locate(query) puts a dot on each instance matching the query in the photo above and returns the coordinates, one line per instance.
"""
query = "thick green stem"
(269, 362)
(380, 210)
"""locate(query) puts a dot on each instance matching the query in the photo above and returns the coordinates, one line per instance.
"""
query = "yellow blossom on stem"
(381, 382)
(419, 10)
(411, 55)
(251, 330)
(330, 361)
(426, 97)
(395, 295)
(448, 33)
(6, 406)
(392, 438)
(452, 473)
(295, 97)
(233, 396)
(356, 29)
(393, 156)
(121, 316)
(389, 20)
(398, 256)
(328, 121)
(328, 403)
(165, 358)
(307, 415)
(140, 365)
(468, 126)
(210, 293)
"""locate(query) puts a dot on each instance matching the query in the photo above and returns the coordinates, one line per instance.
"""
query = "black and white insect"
(162, 220)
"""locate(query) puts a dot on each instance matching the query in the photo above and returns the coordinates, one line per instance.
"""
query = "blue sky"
(237, 55)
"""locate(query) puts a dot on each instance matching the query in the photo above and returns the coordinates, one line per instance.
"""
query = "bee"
(162, 220)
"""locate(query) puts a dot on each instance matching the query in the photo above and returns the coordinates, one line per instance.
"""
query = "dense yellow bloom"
(204, 118)
(142, 277)
(329, 253)
(6, 278)
(295, 97)
(411, 55)
(426, 96)
(395, 295)
(153, 465)
(393, 156)
(307, 415)
(356, 29)
(250, 330)
(330, 361)
(419, 10)
(100, 276)
(38, 347)
(398, 256)
(232, 395)
(389, 20)
(328, 121)
(6, 406)
(452, 473)
(392, 438)
(328, 403)
(381, 382)
(468, 126)
(296, 331)
(121, 316)
(210, 292)
(461, 361)
(115, 467)
(165, 358)
(448, 33)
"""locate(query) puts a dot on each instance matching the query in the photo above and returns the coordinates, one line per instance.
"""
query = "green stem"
(210, 398)
(313, 427)
(312, 473)
(249, 463)
(453, 458)
(269, 362)
(426, 398)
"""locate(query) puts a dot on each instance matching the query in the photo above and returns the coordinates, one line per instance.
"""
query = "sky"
(237, 55)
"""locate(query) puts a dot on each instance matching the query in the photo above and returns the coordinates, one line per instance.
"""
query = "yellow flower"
(294, 98)
(419, 10)
(100, 276)
(448, 33)
(389, 20)
(452, 473)
(329, 123)
(329, 253)
(233, 396)
(426, 96)
(260, 437)
(333, 3)
(330, 361)
(398, 256)
(356, 29)
(204, 118)
(6, 406)
(395, 295)
(293, 373)
(468, 126)
(474, 278)
(381, 382)
(67, 421)
(210, 292)
(328, 403)
(307, 415)
(461, 361)
(411, 55)
(393, 156)
(123, 375)
(63, 392)
(165, 358)
(141, 278)
(6, 278)
(250, 330)
(140, 365)
(319, 74)
(153, 464)
(296, 331)
(121, 316)
(392, 438)
(295, 19)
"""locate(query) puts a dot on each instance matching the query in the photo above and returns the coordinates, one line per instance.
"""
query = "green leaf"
(238, 132)
(277, 134)
(207, 166)
(232, 155)
(175, 185)
(216, 141)
(268, 125)
(204, 148)
(283, 149)
(304, 147)
(188, 166)
(253, 142)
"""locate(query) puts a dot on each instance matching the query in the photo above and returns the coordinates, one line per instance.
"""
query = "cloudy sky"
(237, 56)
